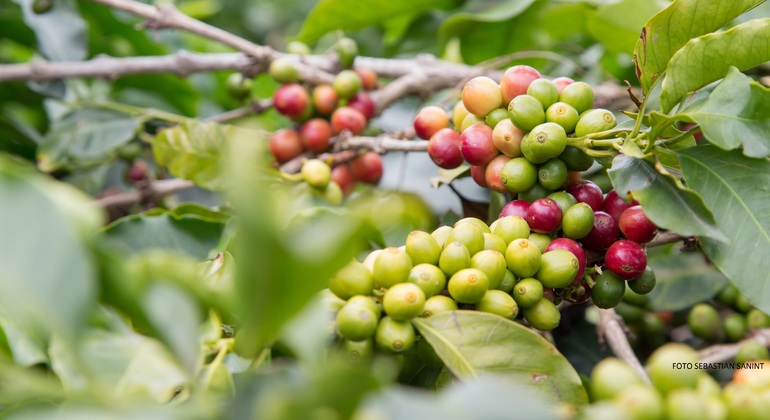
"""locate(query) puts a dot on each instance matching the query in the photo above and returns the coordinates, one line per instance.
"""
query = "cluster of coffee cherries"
(681, 388)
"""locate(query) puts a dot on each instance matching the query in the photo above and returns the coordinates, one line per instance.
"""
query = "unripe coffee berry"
(481, 95)
(316, 173)
(404, 301)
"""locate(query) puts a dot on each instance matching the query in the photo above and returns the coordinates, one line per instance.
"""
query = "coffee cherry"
(316, 173)
(752, 351)
(468, 285)
(564, 115)
(475, 221)
(441, 234)
(562, 82)
(509, 280)
(368, 262)
(518, 175)
(469, 121)
(404, 301)
(552, 174)
(595, 121)
(137, 172)
(357, 351)
(352, 279)
(615, 206)
(370, 302)
(685, 404)
(429, 278)
(636, 226)
(547, 140)
(735, 327)
(438, 304)
(757, 319)
(342, 176)
(664, 376)
(557, 268)
(608, 290)
(543, 315)
(507, 138)
(523, 258)
(540, 240)
(347, 50)
(391, 267)
(496, 116)
(367, 168)
(481, 95)
(576, 159)
(527, 292)
(394, 336)
(364, 104)
(576, 250)
(535, 193)
(516, 81)
(316, 135)
(422, 248)
(356, 322)
(494, 243)
(492, 174)
(526, 112)
(325, 99)
(492, 263)
(283, 70)
(238, 86)
(469, 235)
(347, 84)
(291, 100)
(499, 303)
(626, 259)
(587, 192)
(479, 175)
(563, 199)
(544, 215)
(544, 91)
(578, 221)
(610, 377)
(644, 283)
(454, 258)
(704, 322)
(510, 228)
(298, 48)
(476, 145)
(458, 114)
(429, 121)
(742, 304)
(368, 78)
(444, 149)
(579, 95)
(285, 144)
(515, 208)
(635, 299)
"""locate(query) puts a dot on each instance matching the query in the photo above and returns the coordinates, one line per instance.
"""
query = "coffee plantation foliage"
(404, 209)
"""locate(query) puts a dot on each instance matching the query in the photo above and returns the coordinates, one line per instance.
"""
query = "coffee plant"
(390, 209)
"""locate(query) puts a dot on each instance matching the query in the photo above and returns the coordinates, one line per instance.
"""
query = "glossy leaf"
(617, 25)
(471, 343)
(664, 34)
(737, 189)
(85, 135)
(683, 280)
(659, 194)
(60, 32)
(708, 58)
(737, 113)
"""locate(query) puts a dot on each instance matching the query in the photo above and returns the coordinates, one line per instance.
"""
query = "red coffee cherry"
(515, 208)
(575, 248)
(367, 168)
(316, 135)
(626, 259)
(492, 174)
(291, 100)
(343, 176)
(516, 80)
(544, 215)
(429, 121)
(285, 145)
(363, 103)
(476, 145)
(347, 118)
(614, 205)
(325, 99)
(603, 234)
(444, 149)
(587, 192)
(636, 226)
(478, 173)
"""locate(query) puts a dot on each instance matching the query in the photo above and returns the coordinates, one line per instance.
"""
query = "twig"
(724, 352)
(157, 189)
(611, 329)
(255, 107)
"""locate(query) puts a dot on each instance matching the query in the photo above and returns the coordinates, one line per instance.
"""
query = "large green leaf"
(61, 32)
(737, 113)
(683, 280)
(737, 190)
(352, 15)
(617, 25)
(85, 135)
(666, 204)
(471, 342)
(664, 34)
(47, 281)
(708, 58)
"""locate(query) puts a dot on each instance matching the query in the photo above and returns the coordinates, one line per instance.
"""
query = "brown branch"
(612, 330)
(157, 189)
(255, 107)
(724, 352)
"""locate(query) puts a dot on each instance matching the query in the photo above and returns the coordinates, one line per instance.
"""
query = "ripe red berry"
(325, 99)
(515, 208)
(476, 145)
(614, 205)
(285, 145)
(516, 80)
(316, 135)
(138, 171)
(544, 215)
(429, 121)
(342, 176)
(363, 103)
(626, 259)
(576, 250)
(587, 192)
(444, 149)
(603, 234)
(636, 226)
(291, 100)
(562, 82)
(492, 174)
(368, 78)
(367, 168)
(347, 118)
(478, 173)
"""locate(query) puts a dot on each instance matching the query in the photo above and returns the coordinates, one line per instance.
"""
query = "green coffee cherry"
(540, 240)
(707, 386)
(543, 315)
(283, 70)
(661, 367)
(441, 234)
(736, 327)
(704, 322)
(578, 221)
(394, 336)
(595, 121)
(564, 199)
(640, 402)
(392, 266)
(438, 304)
(630, 313)
(470, 236)
(757, 319)
(496, 116)
(422, 248)
(298, 48)
(564, 115)
(528, 292)
(316, 173)
(579, 95)
(356, 322)
(429, 278)
(752, 351)
(557, 268)
(347, 50)
(635, 298)
(359, 350)
(552, 174)
(526, 151)
(468, 285)
(742, 304)
(728, 295)
(644, 283)
(523, 258)
(608, 290)
(475, 222)
(347, 84)
(469, 121)
(332, 193)
(454, 258)
(526, 112)
(492, 263)
(518, 175)
(499, 303)
(510, 228)
(610, 377)
(238, 87)
(404, 301)
(509, 280)
(547, 140)
(575, 159)
(353, 279)
(494, 243)
(370, 302)
(544, 91)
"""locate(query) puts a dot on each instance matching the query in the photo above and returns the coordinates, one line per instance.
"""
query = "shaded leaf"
(60, 32)
(666, 204)
(737, 190)
(617, 25)
(683, 280)
(470, 342)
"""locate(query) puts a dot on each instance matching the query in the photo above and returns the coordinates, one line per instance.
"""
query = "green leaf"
(60, 32)
(171, 230)
(353, 15)
(47, 281)
(664, 34)
(683, 279)
(617, 25)
(737, 189)
(85, 135)
(580, 345)
(708, 58)
(667, 205)
(737, 113)
(471, 342)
